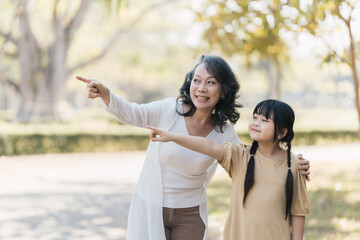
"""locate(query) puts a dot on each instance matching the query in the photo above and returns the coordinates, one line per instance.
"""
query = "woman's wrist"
(106, 97)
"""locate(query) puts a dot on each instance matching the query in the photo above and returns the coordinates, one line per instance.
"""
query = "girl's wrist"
(174, 137)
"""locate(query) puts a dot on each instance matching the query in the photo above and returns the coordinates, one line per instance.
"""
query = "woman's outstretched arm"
(131, 113)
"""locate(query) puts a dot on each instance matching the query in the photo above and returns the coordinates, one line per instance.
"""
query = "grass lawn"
(334, 192)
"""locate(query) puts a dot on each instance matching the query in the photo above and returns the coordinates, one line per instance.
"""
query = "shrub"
(18, 144)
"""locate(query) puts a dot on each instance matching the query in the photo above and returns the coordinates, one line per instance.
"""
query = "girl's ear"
(282, 133)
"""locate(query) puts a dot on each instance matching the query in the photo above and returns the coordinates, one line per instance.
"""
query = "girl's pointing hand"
(159, 135)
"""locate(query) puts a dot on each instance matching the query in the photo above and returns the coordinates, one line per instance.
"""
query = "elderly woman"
(170, 197)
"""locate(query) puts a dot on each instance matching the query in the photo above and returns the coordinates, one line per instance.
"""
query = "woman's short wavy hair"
(225, 109)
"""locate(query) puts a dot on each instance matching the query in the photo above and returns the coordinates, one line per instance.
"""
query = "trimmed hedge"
(40, 143)
(14, 144)
(316, 137)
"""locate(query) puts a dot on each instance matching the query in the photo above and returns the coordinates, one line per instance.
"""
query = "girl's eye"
(195, 80)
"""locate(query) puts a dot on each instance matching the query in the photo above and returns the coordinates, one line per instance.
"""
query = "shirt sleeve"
(233, 155)
(139, 115)
(300, 205)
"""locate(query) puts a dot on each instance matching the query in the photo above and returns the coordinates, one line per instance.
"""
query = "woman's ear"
(282, 133)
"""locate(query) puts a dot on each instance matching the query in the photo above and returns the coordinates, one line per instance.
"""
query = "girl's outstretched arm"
(297, 225)
(195, 143)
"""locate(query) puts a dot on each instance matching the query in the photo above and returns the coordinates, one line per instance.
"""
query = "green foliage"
(321, 137)
(37, 143)
(316, 137)
(114, 4)
(313, 17)
(247, 27)
(17, 144)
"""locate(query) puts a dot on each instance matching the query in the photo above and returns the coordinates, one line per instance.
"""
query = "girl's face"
(261, 128)
(205, 90)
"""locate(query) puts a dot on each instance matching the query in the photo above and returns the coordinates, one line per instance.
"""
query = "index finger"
(151, 128)
(85, 80)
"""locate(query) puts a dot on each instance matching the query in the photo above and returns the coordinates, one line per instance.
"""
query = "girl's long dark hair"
(225, 109)
(283, 117)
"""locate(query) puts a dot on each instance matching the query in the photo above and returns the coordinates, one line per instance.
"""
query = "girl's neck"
(271, 150)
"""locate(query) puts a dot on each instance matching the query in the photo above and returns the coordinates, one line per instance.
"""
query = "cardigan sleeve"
(139, 115)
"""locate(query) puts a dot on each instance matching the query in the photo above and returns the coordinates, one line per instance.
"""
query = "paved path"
(86, 196)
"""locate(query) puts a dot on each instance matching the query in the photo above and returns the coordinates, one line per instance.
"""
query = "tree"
(44, 70)
(249, 28)
(312, 17)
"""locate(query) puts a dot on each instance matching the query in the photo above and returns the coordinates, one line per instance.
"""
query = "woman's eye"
(195, 80)
(211, 82)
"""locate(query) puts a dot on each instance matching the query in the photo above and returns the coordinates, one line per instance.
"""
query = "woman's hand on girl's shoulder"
(304, 165)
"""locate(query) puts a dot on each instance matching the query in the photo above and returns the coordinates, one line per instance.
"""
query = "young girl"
(269, 199)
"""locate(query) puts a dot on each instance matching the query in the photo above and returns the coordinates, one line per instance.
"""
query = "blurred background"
(52, 136)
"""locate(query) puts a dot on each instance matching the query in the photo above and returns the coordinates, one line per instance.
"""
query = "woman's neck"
(199, 124)
(271, 150)
(202, 118)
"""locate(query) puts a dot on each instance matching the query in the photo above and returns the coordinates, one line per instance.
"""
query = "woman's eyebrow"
(205, 78)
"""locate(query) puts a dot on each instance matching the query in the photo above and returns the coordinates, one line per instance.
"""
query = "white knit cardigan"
(145, 221)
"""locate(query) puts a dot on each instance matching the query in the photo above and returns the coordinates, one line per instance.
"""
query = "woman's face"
(205, 90)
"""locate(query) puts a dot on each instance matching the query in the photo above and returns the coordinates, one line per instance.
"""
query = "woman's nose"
(202, 87)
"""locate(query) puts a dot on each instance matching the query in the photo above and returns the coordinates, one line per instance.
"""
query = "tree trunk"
(355, 74)
(29, 65)
(51, 94)
(274, 76)
(357, 95)
(44, 72)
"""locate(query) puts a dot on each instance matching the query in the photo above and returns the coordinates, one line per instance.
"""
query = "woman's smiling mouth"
(201, 98)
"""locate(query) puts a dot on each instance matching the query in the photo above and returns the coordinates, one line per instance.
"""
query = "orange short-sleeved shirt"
(264, 214)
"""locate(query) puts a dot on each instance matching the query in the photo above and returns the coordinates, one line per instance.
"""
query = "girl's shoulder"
(241, 147)
(294, 158)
